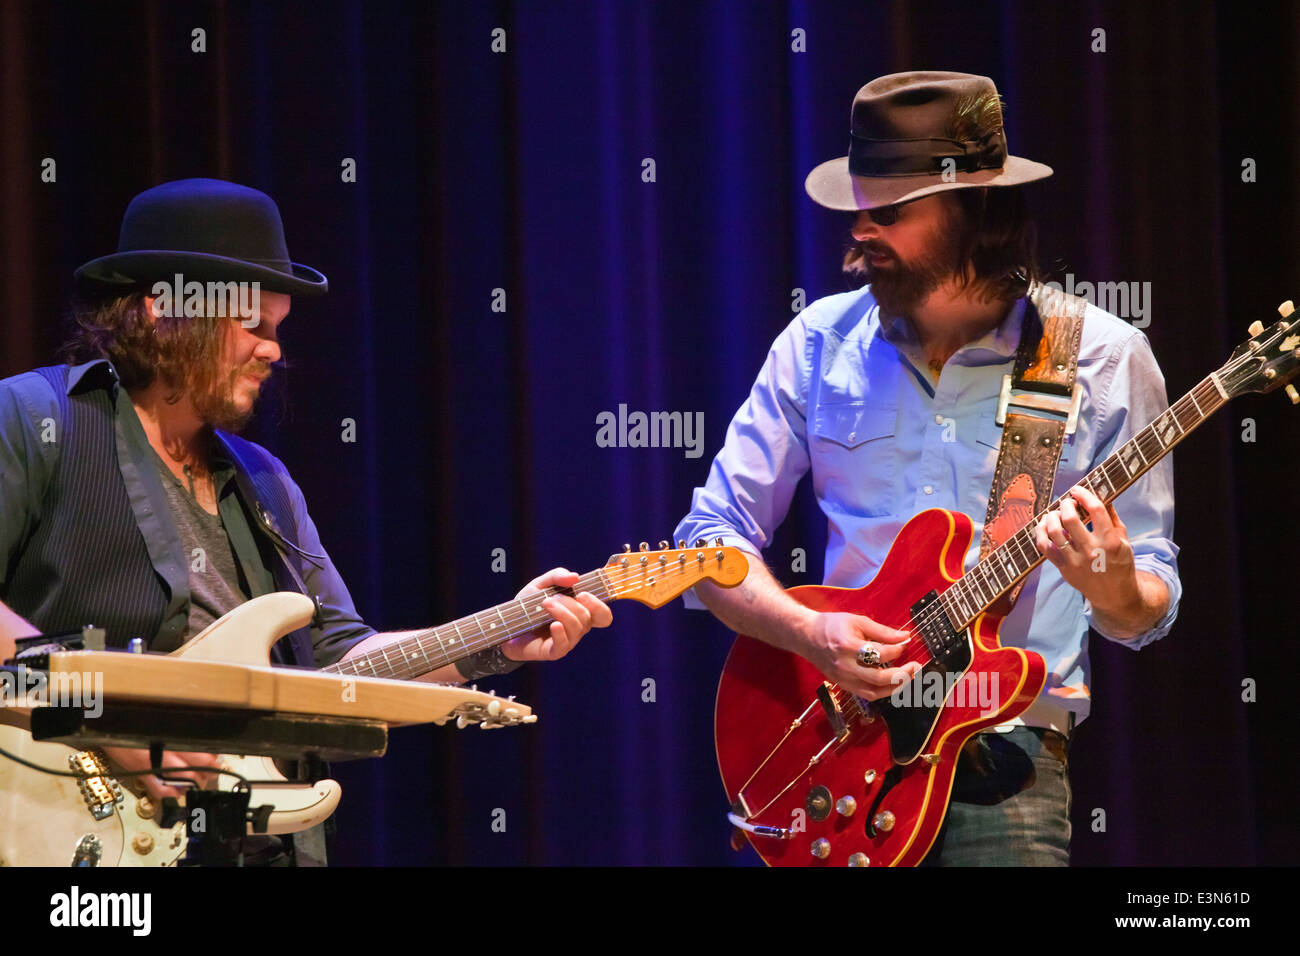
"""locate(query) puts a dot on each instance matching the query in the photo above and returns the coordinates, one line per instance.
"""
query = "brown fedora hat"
(902, 145)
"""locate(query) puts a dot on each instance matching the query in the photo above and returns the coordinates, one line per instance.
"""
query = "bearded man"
(119, 466)
(887, 395)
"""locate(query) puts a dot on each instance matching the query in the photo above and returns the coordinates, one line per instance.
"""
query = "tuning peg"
(663, 545)
(1286, 308)
(1255, 328)
(644, 546)
(700, 542)
(627, 549)
(681, 542)
(718, 541)
(1292, 394)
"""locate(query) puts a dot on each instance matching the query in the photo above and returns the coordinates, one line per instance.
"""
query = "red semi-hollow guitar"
(818, 776)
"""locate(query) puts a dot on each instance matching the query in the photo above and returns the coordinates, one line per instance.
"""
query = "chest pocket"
(855, 458)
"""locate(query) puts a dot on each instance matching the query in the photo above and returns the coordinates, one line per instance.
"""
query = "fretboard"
(1003, 567)
(423, 651)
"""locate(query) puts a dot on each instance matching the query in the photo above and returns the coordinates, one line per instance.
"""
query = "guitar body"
(59, 817)
(246, 636)
(778, 748)
(47, 819)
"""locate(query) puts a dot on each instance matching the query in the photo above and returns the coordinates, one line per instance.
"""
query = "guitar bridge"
(101, 792)
(833, 712)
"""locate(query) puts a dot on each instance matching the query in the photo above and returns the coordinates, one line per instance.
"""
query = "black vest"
(86, 561)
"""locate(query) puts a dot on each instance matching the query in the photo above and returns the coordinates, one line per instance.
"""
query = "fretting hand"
(574, 617)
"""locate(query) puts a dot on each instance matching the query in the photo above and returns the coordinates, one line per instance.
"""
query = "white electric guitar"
(93, 820)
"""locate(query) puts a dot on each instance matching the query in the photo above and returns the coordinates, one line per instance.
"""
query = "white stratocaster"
(93, 820)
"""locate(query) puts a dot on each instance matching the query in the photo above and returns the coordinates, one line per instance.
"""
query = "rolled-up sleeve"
(340, 625)
(1134, 398)
(753, 478)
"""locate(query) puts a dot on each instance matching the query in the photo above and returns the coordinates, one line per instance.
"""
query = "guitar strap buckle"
(1058, 404)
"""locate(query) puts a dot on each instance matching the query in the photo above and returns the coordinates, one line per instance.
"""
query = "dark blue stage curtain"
(502, 272)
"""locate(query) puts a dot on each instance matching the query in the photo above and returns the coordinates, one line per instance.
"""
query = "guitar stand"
(224, 817)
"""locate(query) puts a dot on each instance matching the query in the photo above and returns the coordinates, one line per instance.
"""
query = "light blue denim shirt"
(844, 394)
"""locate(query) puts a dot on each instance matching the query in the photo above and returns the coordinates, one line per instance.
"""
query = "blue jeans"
(1010, 803)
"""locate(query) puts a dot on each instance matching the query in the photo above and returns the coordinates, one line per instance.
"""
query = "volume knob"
(884, 820)
(846, 806)
(821, 849)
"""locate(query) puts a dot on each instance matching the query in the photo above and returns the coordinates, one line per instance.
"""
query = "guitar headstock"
(656, 577)
(1268, 360)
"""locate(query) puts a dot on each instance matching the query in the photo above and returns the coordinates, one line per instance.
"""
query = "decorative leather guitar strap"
(1047, 364)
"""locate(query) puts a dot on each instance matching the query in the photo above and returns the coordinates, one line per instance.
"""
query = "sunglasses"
(884, 215)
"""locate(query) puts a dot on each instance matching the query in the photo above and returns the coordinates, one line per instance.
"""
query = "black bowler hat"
(208, 230)
(902, 145)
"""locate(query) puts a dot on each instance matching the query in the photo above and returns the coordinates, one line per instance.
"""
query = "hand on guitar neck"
(574, 617)
(1089, 545)
(830, 641)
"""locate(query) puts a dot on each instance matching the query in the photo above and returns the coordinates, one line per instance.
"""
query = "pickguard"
(911, 720)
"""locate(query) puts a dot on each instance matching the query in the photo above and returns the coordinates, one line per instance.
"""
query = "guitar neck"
(423, 651)
(651, 577)
(977, 590)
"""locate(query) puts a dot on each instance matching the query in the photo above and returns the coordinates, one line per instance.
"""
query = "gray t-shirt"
(215, 590)
(215, 587)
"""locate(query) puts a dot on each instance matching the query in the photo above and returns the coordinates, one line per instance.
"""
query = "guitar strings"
(607, 582)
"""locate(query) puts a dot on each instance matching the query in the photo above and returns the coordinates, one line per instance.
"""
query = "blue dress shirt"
(845, 394)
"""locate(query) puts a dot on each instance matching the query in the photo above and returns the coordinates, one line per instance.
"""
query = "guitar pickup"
(833, 712)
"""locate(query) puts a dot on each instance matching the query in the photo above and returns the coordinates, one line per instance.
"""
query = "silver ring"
(868, 656)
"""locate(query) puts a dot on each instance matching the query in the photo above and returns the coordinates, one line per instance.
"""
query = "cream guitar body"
(93, 819)
(48, 822)
(101, 821)
(246, 636)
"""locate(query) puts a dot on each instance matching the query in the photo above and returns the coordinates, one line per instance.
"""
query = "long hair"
(998, 242)
(184, 351)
